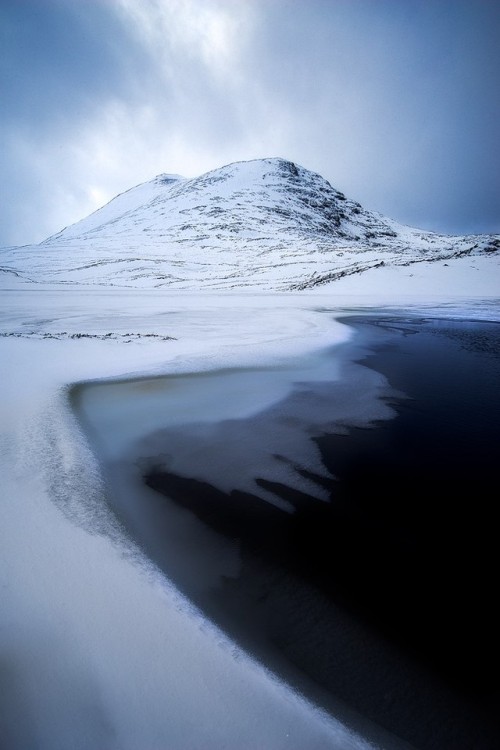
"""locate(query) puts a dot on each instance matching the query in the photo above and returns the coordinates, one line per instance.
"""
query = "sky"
(395, 102)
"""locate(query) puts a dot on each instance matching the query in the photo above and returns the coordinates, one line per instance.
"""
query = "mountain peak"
(265, 223)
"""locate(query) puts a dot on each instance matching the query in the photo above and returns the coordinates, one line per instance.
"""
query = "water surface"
(337, 516)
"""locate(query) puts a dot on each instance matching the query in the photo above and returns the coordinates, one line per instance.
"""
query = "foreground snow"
(98, 649)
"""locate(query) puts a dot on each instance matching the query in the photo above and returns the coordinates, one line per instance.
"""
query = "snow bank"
(464, 281)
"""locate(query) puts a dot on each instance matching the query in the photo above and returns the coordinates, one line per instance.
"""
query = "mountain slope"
(262, 224)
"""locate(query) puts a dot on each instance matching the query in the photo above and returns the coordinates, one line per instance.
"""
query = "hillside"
(265, 224)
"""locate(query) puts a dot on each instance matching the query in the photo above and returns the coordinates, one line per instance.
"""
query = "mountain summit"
(261, 224)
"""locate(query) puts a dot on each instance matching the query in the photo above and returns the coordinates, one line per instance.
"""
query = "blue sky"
(395, 102)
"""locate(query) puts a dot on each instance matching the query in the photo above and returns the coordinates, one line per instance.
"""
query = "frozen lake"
(100, 647)
(357, 563)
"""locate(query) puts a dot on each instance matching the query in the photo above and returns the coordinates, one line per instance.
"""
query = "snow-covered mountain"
(264, 224)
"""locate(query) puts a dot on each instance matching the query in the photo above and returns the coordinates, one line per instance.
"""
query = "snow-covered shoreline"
(100, 652)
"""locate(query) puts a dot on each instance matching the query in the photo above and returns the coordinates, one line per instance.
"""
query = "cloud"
(210, 34)
(394, 103)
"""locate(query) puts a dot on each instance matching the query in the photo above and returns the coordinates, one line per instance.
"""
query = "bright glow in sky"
(395, 103)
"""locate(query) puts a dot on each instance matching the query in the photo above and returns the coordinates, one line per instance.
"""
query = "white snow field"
(98, 650)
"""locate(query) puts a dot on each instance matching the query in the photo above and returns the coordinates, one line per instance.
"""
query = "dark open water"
(385, 597)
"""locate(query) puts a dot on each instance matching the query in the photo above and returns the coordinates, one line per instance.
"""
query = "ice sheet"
(98, 650)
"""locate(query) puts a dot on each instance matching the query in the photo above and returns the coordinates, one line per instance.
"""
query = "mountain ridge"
(265, 224)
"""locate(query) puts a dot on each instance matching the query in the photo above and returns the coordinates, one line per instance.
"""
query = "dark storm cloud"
(394, 102)
(59, 62)
(397, 101)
